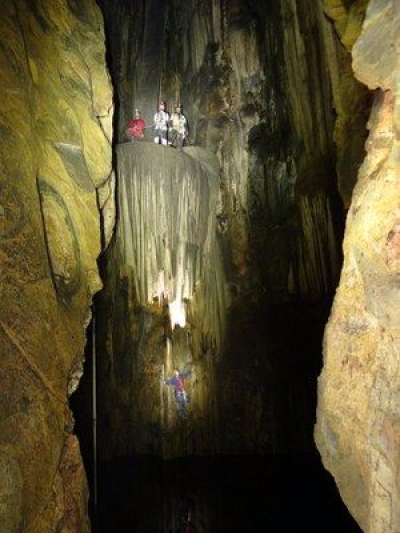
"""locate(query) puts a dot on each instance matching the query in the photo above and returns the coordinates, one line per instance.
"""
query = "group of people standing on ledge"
(169, 129)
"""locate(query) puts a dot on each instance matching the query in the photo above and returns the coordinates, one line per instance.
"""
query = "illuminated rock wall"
(358, 409)
(55, 161)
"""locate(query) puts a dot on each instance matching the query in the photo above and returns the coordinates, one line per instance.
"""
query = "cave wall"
(56, 194)
(256, 88)
(357, 429)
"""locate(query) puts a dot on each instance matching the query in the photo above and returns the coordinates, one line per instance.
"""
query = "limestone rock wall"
(55, 130)
(357, 428)
(256, 90)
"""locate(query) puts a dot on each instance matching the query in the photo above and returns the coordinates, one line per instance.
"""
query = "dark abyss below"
(282, 494)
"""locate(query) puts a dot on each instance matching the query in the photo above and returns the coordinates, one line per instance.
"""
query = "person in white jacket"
(161, 120)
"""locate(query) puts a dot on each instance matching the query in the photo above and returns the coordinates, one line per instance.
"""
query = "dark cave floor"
(236, 495)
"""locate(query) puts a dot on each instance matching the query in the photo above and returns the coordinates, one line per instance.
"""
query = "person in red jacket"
(136, 127)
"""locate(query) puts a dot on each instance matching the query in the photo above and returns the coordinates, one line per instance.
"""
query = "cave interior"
(242, 229)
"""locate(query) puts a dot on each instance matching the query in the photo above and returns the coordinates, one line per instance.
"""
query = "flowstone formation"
(167, 225)
(55, 161)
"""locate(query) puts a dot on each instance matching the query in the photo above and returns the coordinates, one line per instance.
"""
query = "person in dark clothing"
(186, 525)
(181, 397)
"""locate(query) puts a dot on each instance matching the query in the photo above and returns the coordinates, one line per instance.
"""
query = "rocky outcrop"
(55, 130)
(358, 424)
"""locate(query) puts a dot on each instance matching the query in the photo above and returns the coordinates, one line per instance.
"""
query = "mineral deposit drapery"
(166, 219)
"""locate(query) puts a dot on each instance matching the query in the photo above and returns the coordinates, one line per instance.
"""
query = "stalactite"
(167, 231)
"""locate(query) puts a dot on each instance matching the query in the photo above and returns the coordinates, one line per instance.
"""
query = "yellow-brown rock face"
(358, 429)
(55, 130)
